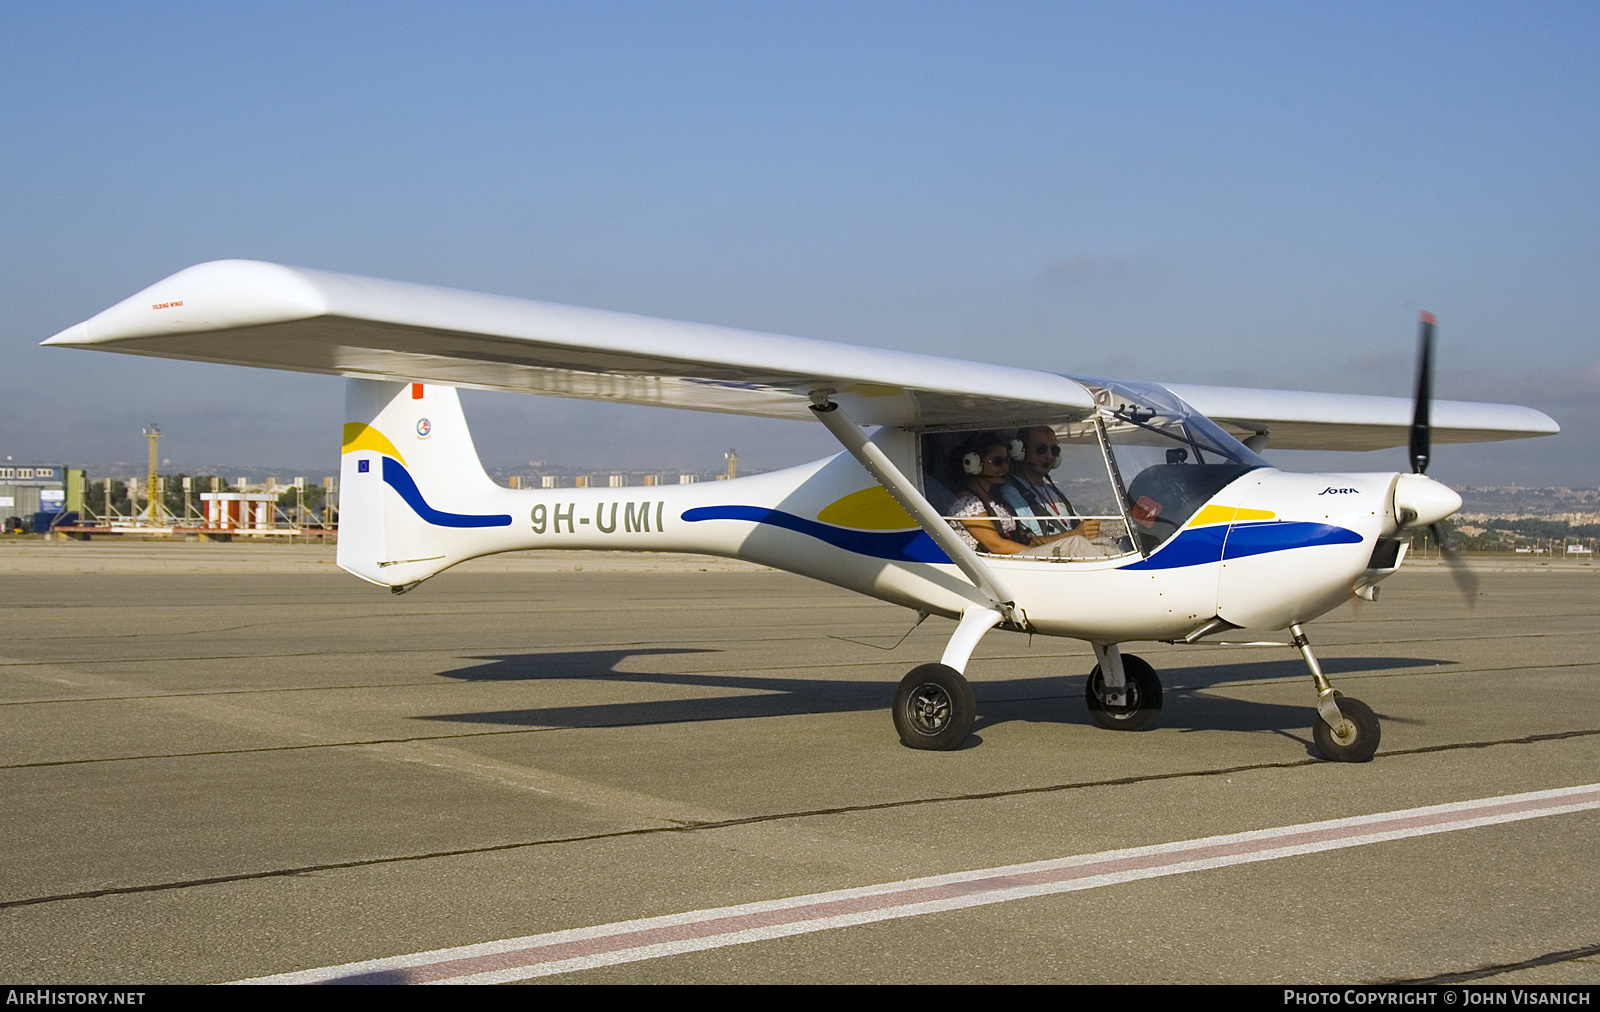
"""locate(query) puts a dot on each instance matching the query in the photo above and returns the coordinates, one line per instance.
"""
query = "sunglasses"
(1053, 450)
(998, 460)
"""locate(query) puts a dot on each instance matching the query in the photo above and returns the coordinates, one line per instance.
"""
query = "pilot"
(1031, 494)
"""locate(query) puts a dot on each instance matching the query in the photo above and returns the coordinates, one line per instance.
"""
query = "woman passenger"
(985, 468)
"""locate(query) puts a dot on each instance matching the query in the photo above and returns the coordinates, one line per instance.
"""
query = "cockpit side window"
(1131, 476)
(1079, 479)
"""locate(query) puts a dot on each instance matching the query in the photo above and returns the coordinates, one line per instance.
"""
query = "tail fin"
(414, 499)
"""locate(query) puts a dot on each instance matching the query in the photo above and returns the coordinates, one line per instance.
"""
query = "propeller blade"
(1421, 434)
(1422, 450)
(1466, 579)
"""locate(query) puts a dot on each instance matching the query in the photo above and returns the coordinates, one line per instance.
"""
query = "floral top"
(994, 511)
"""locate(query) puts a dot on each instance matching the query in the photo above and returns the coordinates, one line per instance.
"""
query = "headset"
(972, 459)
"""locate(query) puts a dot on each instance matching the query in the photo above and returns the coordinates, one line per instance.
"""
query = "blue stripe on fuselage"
(1193, 547)
(895, 546)
(398, 478)
(1200, 545)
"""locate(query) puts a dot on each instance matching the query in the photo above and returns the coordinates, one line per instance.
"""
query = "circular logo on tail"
(424, 427)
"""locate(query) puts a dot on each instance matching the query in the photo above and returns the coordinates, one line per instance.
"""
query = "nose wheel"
(1353, 737)
(934, 708)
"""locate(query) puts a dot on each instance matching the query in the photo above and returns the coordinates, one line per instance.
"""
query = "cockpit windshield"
(1150, 414)
(1171, 458)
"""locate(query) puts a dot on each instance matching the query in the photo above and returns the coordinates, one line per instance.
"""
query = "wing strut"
(871, 456)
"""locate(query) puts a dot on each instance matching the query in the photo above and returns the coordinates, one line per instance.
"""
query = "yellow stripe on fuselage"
(1228, 515)
(871, 509)
(359, 436)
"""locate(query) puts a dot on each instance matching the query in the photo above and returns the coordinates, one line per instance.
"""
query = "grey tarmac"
(228, 761)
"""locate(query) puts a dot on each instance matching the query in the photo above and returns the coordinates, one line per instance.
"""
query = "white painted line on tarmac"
(513, 959)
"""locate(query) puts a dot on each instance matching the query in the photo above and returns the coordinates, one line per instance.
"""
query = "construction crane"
(152, 480)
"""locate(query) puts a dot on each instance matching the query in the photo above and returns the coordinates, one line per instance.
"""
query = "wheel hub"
(1124, 701)
(930, 708)
(1134, 706)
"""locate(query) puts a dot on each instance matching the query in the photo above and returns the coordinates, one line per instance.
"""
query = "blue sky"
(1255, 194)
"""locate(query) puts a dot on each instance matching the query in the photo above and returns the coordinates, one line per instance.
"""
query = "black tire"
(934, 708)
(1361, 739)
(1143, 707)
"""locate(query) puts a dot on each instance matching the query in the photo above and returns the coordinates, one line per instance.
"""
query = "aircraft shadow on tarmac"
(1050, 699)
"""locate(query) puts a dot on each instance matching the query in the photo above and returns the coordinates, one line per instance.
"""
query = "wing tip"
(77, 334)
(215, 295)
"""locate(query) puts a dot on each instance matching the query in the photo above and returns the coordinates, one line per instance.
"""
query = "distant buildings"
(27, 489)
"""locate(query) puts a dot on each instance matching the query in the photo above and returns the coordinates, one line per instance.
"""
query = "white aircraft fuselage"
(1270, 549)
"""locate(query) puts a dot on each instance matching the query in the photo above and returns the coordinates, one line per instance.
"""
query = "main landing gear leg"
(934, 707)
(1347, 730)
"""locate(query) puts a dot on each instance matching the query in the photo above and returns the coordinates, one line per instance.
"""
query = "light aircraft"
(1198, 535)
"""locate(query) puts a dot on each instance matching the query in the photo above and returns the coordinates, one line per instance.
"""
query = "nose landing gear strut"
(1348, 730)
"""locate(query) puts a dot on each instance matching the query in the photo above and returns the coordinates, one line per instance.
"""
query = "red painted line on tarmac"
(628, 941)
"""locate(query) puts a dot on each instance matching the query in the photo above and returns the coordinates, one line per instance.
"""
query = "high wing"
(245, 312)
(1301, 420)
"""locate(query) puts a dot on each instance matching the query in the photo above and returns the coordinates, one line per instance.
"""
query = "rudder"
(414, 498)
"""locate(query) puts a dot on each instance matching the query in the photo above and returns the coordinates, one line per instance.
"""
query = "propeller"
(1422, 404)
(1422, 451)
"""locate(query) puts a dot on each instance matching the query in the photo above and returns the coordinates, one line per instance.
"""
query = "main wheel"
(1359, 739)
(934, 708)
(1142, 697)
